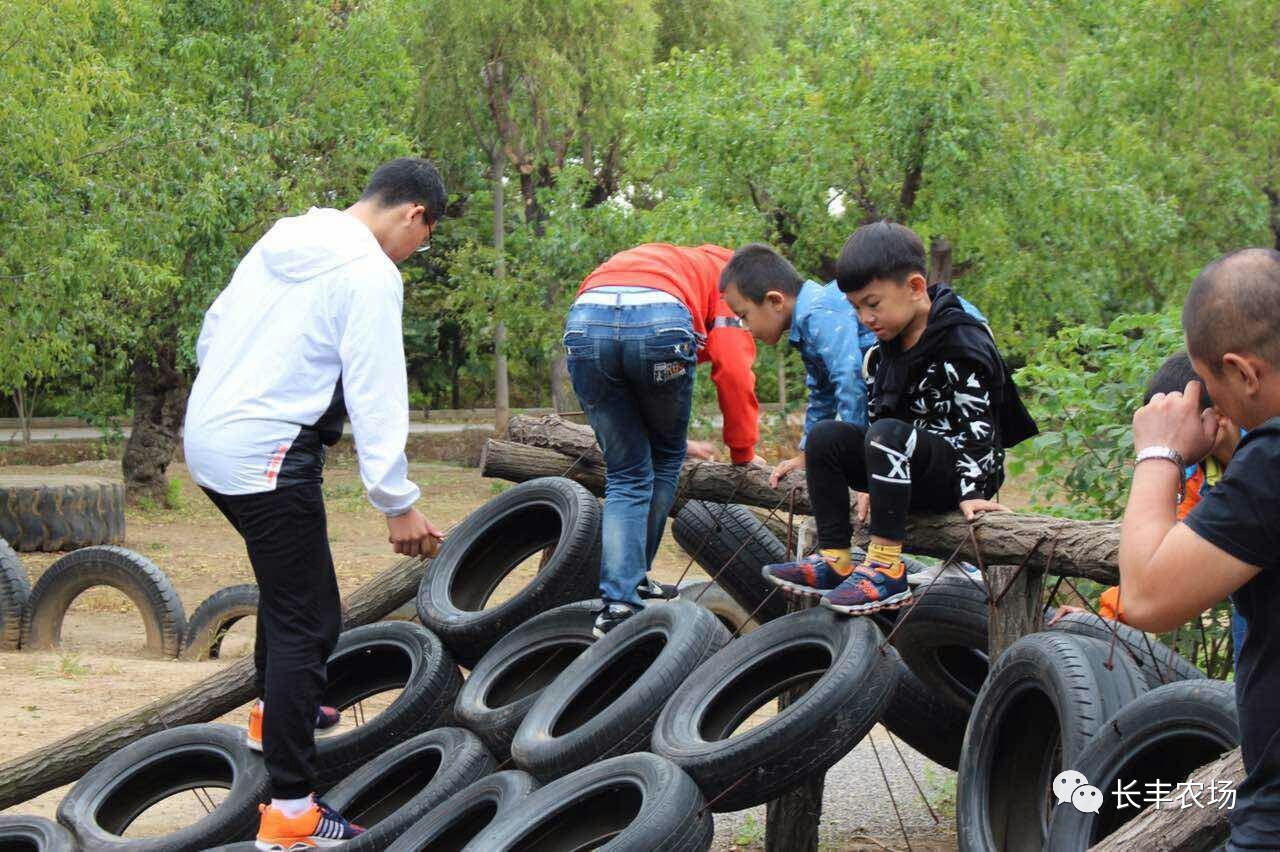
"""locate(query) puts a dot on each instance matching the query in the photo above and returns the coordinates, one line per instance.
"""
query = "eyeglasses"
(426, 244)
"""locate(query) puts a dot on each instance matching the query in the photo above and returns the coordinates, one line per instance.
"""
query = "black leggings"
(299, 616)
(902, 467)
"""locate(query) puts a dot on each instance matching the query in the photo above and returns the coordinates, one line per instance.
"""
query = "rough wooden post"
(939, 261)
(791, 820)
(1018, 610)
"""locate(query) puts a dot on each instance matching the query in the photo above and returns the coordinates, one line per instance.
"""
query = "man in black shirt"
(1230, 543)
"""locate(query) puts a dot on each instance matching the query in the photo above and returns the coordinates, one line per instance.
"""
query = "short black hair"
(1173, 375)
(756, 268)
(1234, 306)
(879, 250)
(408, 180)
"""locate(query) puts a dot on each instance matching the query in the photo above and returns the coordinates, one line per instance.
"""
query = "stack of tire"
(558, 740)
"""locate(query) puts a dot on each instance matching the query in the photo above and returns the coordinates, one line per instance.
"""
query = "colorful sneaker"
(319, 825)
(652, 590)
(810, 576)
(610, 617)
(870, 588)
(326, 718)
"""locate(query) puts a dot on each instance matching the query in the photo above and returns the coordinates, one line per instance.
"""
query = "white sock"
(292, 807)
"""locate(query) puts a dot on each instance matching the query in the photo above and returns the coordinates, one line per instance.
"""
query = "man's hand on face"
(1175, 420)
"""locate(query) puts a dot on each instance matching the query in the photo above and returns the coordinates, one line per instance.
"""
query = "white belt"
(620, 296)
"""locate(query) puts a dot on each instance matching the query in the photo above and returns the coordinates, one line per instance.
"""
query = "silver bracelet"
(1168, 454)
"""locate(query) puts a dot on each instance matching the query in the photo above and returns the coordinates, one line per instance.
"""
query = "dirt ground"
(101, 671)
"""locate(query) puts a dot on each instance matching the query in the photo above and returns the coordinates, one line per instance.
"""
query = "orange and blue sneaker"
(871, 587)
(809, 577)
(326, 718)
(318, 825)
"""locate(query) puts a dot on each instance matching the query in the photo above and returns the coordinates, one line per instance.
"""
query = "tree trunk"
(939, 261)
(502, 387)
(70, 757)
(562, 398)
(782, 382)
(1019, 610)
(1177, 829)
(24, 414)
(1083, 548)
(159, 403)
(792, 819)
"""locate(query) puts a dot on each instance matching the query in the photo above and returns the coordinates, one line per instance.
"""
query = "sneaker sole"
(892, 602)
(788, 586)
(309, 843)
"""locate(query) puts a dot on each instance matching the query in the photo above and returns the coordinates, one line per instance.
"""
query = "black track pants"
(902, 468)
(299, 616)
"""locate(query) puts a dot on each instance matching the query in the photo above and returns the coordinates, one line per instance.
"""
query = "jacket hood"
(300, 248)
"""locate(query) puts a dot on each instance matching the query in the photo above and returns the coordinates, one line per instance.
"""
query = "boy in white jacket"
(309, 331)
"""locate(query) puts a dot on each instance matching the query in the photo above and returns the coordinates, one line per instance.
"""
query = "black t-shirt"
(1241, 515)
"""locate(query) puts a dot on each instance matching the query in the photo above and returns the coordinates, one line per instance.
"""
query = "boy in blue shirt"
(765, 291)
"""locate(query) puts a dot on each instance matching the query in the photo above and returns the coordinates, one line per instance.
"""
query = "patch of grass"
(70, 667)
(942, 790)
(751, 832)
(497, 486)
(173, 496)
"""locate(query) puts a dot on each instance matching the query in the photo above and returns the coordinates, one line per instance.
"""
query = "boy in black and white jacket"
(942, 410)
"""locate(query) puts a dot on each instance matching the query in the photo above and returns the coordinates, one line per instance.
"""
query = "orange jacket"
(1109, 602)
(692, 275)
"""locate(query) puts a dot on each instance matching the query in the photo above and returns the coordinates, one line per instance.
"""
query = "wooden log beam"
(70, 757)
(1176, 829)
(1083, 548)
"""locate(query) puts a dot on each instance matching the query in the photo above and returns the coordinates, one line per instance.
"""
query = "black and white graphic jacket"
(954, 384)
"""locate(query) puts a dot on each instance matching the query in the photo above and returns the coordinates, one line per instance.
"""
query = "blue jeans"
(632, 369)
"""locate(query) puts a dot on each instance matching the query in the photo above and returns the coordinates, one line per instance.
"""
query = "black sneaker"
(610, 617)
(652, 590)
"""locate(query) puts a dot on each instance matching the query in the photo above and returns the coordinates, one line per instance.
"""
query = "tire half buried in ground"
(631, 803)
(378, 658)
(134, 575)
(846, 681)
(454, 824)
(552, 515)
(1162, 736)
(1045, 700)
(103, 804)
(15, 588)
(606, 701)
(219, 612)
(399, 786)
(507, 681)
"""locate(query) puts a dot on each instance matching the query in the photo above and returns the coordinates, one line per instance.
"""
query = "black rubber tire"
(630, 803)
(1047, 697)
(606, 702)
(1158, 662)
(732, 545)
(713, 597)
(102, 804)
(1164, 735)
(518, 668)
(34, 834)
(481, 551)
(848, 683)
(376, 658)
(398, 787)
(942, 637)
(918, 715)
(15, 588)
(454, 824)
(53, 513)
(219, 612)
(133, 574)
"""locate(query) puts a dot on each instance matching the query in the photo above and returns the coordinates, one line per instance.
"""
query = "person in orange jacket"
(1172, 376)
(641, 323)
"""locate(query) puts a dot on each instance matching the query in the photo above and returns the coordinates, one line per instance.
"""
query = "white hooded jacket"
(310, 320)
